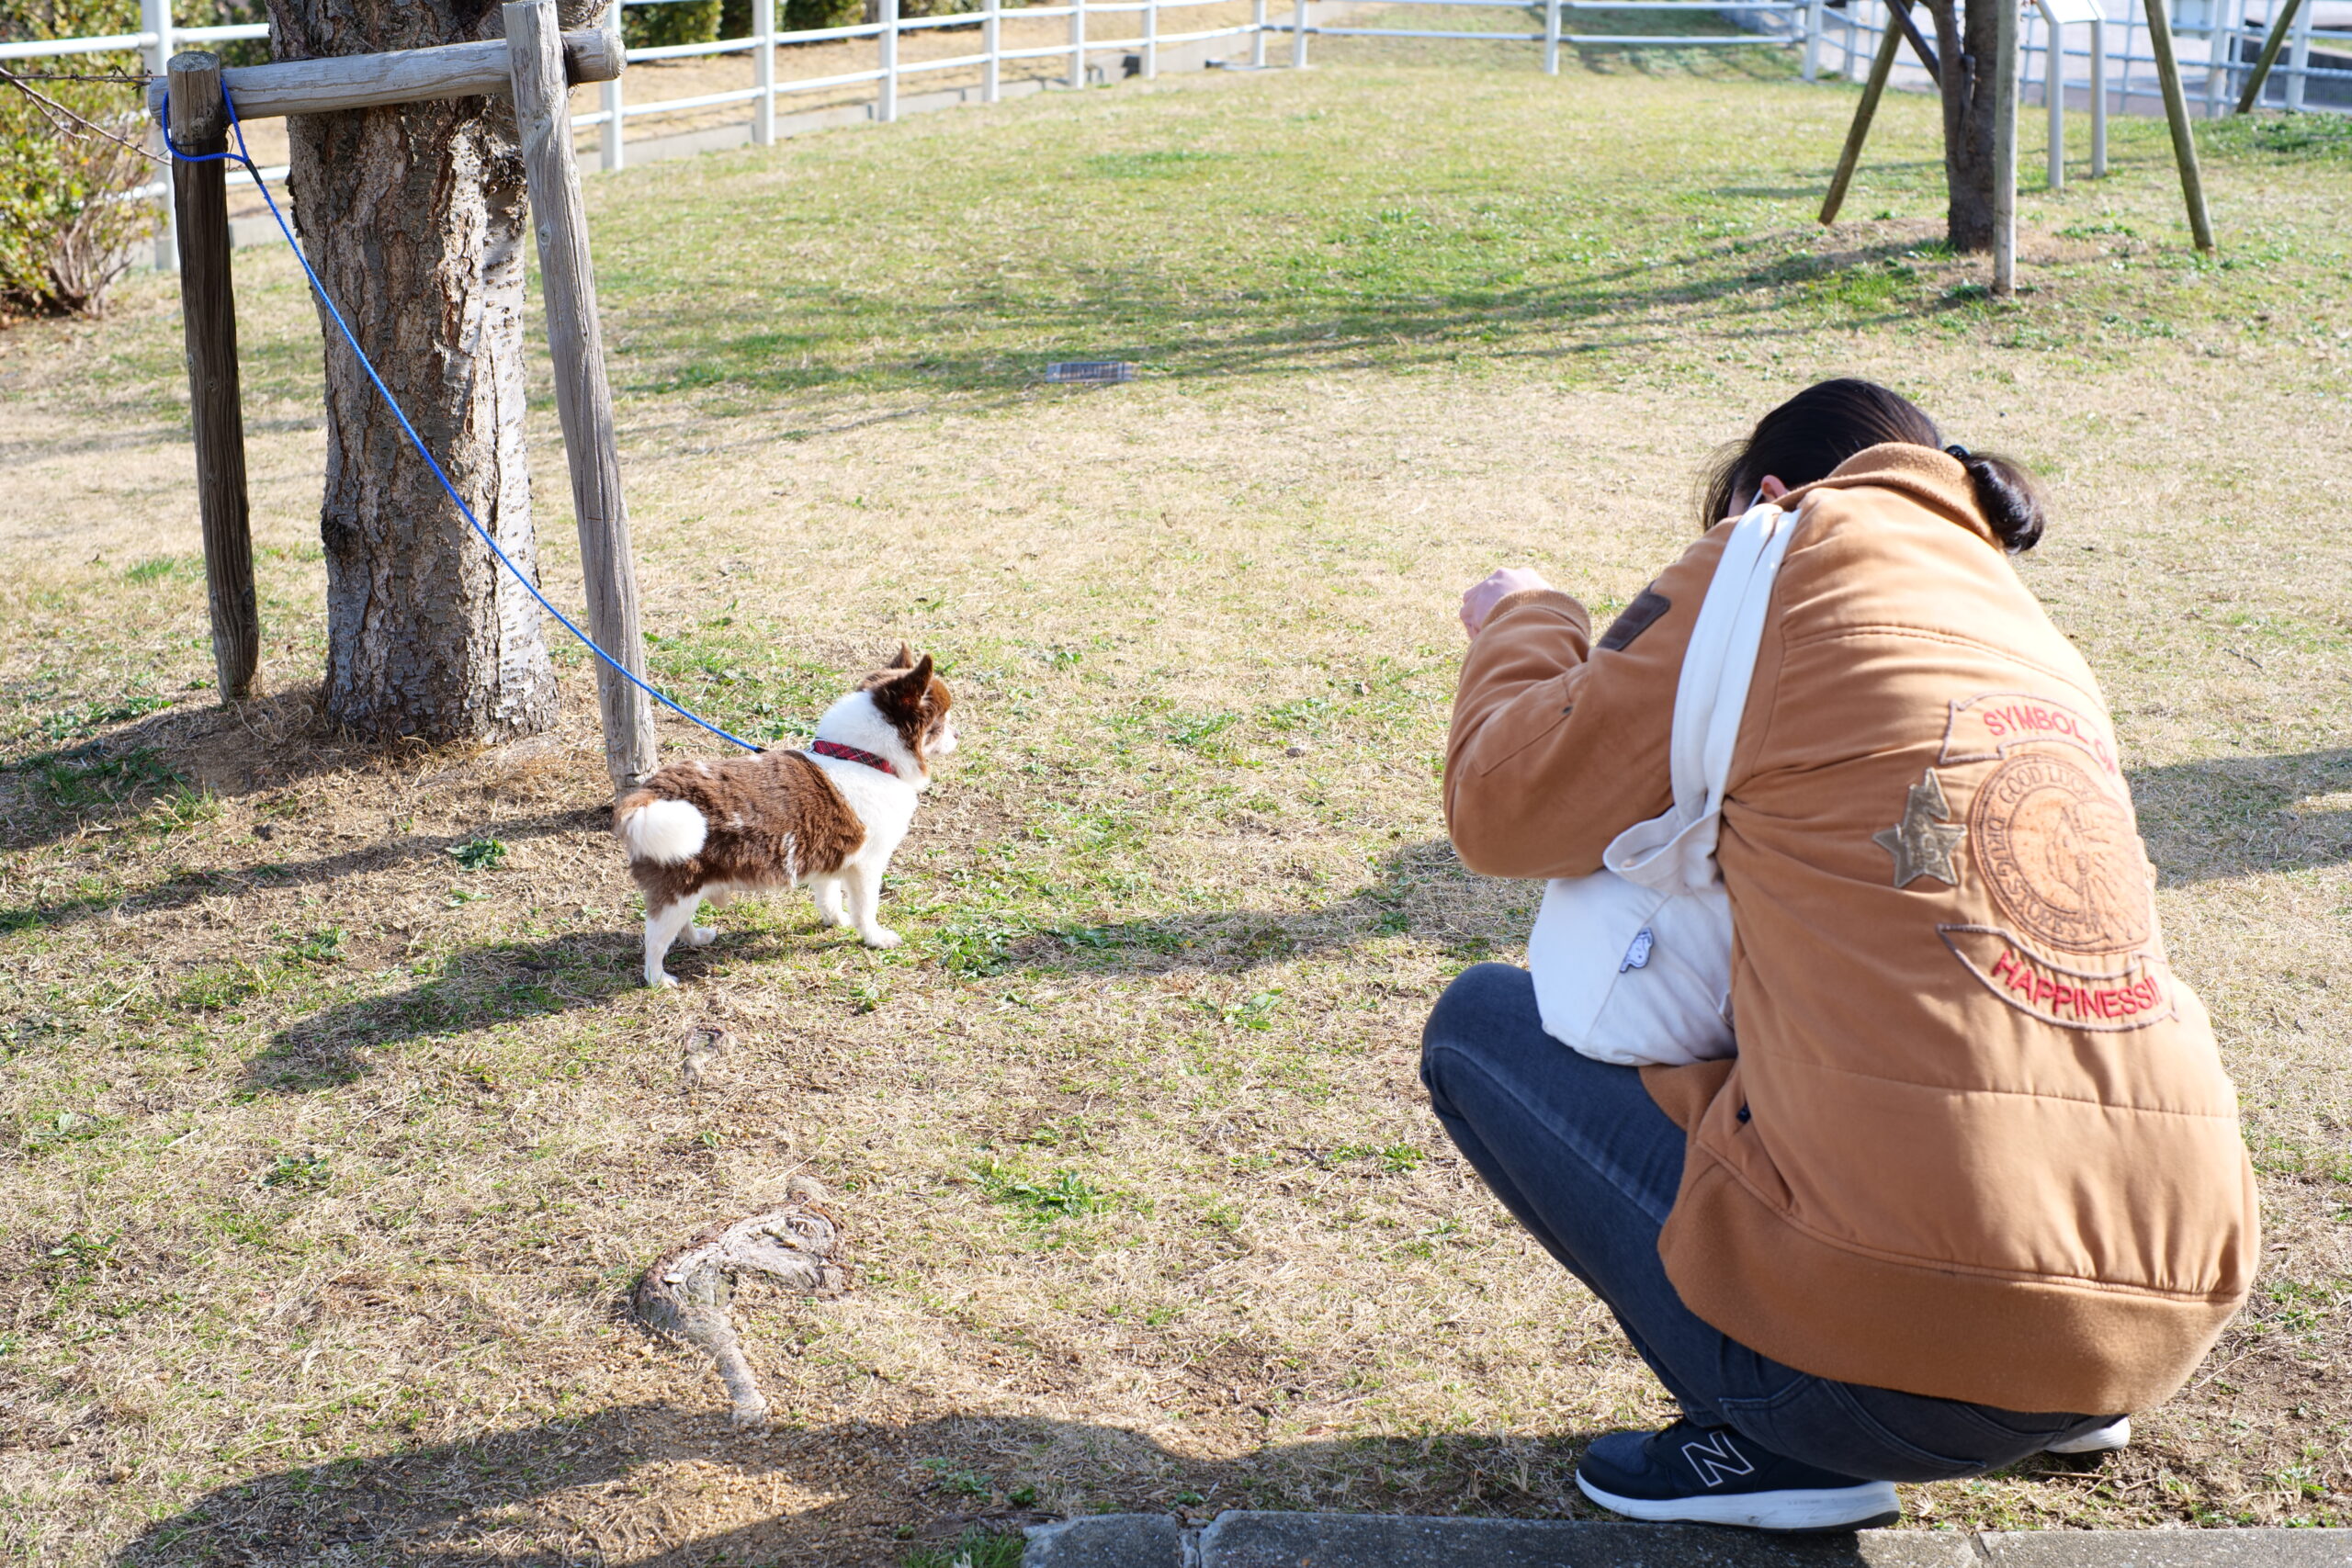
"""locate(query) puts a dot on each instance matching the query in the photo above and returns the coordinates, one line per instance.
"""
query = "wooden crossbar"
(398, 76)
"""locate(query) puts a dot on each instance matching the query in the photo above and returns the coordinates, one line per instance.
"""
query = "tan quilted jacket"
(1977, 1143)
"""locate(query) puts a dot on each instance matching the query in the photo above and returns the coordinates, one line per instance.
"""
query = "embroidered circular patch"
(2060, 855)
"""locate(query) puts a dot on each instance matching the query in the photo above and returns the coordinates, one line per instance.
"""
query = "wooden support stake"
(1919, 44)
(1882, 63)
(2007, 27)
(2252, 95)
(583, 399)
(2183, 144)
(209, 317)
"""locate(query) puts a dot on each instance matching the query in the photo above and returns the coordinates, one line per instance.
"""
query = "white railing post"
(2124, 88)
(2299, 57)
(992, 33)
(155, 17)
(2220, 43)
(611, 96)
(1077, 43)
(1150, 40)
(1552, 38)
(1298, 35)
(2099, 96)
(1258, 34)
(763, 112)
(2054, 94)
(609, 99)
(1812, 40)
(889, 110)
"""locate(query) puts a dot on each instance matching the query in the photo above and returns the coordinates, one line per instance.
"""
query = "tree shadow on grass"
(164, 762)
(184, 888)
(2245, 816)
(1747, 286)
(574, 1487)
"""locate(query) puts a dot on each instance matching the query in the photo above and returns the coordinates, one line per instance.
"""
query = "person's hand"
(1480, 602)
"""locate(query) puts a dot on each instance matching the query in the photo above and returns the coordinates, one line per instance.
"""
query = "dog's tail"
(658, 828)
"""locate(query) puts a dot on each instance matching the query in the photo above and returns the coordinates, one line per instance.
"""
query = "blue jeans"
(1578, 1152)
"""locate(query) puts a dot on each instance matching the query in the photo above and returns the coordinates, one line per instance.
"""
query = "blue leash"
(241, 156)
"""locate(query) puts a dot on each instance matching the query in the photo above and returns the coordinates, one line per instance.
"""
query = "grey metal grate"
(1090, 372)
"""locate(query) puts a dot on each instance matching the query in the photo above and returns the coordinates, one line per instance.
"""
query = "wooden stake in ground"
(1900, 27)
(583, 399)
(2184, 145)
(1881, 64)
(209, 318)
(2271, 45)
(2005, 149)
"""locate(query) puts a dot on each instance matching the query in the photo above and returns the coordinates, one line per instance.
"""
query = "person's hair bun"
(1808, 437)
(2007, 497)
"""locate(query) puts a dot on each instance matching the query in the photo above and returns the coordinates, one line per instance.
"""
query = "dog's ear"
(905, 660)
(905, 696)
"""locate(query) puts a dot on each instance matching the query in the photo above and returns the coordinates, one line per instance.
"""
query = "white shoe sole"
(1838, 1509)
(2104, 1440)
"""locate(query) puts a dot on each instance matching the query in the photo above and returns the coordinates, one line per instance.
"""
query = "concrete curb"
(1243, 1539)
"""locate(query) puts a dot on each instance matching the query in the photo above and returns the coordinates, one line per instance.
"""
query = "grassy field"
(335, 1128)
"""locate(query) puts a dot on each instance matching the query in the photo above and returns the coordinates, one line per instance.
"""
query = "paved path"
(1366, 1541)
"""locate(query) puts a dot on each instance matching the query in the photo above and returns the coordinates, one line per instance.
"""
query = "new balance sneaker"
(1695, 1474)
(2115, 1434)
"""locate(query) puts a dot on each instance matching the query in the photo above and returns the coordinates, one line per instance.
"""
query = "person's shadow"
(880, 1492)
(2231, 817)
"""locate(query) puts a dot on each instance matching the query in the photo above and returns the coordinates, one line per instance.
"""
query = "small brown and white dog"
(831, 817)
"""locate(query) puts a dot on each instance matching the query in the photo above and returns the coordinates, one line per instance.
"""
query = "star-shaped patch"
(1922, 844)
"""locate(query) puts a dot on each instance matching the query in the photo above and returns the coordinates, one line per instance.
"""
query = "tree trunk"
(1966, 49)
(414, 216)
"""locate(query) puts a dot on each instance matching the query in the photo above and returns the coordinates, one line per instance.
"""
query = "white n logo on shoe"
(1716, 1457)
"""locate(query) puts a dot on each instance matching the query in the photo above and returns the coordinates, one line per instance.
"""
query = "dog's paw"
(663, 982)
(701, 936)
(880, 936)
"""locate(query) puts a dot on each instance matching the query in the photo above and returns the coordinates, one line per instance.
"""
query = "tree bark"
(1966, 49)
(415, 218)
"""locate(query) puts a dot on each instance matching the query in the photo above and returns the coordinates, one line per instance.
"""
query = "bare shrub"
(68, 163)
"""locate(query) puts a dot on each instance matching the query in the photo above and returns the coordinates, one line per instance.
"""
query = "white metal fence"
(2217, 40)
(1138, 27)
(890, 71)
(2314, 72)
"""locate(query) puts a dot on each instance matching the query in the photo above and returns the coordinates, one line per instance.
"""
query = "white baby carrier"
(1632, 964)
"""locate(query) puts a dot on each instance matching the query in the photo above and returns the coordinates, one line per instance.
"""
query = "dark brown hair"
(1807, 437)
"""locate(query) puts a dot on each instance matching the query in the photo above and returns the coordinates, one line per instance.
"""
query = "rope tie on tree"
(240, 156)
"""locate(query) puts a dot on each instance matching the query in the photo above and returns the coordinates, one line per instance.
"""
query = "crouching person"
(1971, 1186)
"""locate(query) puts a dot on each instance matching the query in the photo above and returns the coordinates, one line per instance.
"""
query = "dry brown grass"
(314, 1245)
